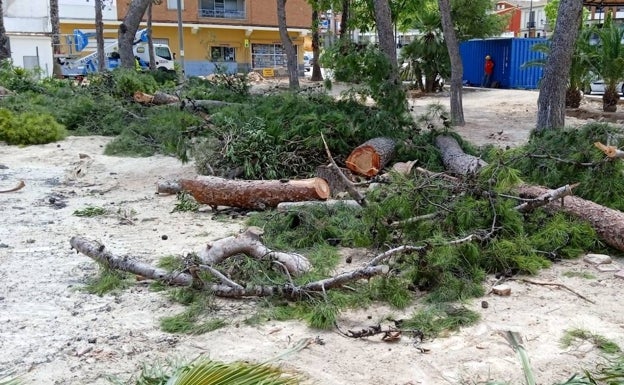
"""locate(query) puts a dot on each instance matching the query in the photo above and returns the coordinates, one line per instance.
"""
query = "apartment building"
(28, 27)
(235, 35)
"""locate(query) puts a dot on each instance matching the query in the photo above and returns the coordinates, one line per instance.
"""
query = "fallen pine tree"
(608, 223)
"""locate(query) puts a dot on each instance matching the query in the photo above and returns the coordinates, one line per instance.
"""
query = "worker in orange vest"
(488, 70)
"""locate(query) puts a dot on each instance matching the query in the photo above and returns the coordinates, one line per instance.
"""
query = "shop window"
(223, 54)
(268, 55)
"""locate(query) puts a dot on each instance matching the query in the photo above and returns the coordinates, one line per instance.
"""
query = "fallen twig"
(561, 285)
(19, 186)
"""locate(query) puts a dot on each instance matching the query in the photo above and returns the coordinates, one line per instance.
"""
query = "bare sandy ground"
(53, 333)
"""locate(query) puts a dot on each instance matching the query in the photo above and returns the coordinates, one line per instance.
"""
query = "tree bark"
(5, 50)
(551, 100)
(250, 244)
(344, 21)
(249, 194)
(371, 157)
(159, 98)
(608, 223)
(385, 33)
(128, 29)
(457, 68)
(229, 289)
(455, 159)
(99, 35)
(150, 41)
(317, 76)
(56, 37)
(289, 48)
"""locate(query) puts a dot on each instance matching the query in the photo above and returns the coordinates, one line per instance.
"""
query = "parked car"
(598, 87)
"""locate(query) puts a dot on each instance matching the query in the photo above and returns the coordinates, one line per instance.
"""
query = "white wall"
(27, 16)
(37, 48)
(85, 9)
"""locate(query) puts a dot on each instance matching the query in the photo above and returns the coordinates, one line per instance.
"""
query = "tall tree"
(344, 20)
(128, 29)
(56, 36)
(150, 40)
(457, 68)
(99, 35)
(5, 50)
(316, 67)
(289, 48)
(551, 100)
(385, 33)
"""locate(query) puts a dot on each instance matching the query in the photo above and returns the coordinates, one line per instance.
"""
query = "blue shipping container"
(509, 54)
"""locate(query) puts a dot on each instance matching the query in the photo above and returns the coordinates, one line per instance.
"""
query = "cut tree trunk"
(369, 158)
(608, 223)
(158, 98)
(249, 194)
(455, 159)
(336, 182)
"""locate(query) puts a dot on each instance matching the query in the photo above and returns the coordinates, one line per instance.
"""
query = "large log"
(369, 158)
(455, 159)
(608, 223)
(249, 194)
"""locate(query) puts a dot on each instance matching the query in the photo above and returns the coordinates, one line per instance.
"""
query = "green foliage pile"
(29, 128)
(279, 136)
(554, 158)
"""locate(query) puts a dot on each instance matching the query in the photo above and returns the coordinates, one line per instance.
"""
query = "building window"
(267, 56)
(222, 9)
(173, 4)
(222, 54)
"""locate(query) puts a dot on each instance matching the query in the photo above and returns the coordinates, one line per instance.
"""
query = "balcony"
(221, 13)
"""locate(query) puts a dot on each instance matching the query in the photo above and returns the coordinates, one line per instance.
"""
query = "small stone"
(503, 290)
(485, 304)
(164, 237)
(597, 259)
(608, 268)
(619, 274)
(92, 340)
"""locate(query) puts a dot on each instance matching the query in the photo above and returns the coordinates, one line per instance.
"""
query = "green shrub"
(29, 128)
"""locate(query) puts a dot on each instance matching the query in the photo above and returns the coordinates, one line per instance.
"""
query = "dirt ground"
(54, 333)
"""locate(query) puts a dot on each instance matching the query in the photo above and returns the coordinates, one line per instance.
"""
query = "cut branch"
(610, 151)
(230, 289)
(546, 198)
(19, 186)
(286, 206)
(249, 243)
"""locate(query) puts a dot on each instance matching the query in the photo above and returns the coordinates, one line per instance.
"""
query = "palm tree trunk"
(289, 48)
(457, 68)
